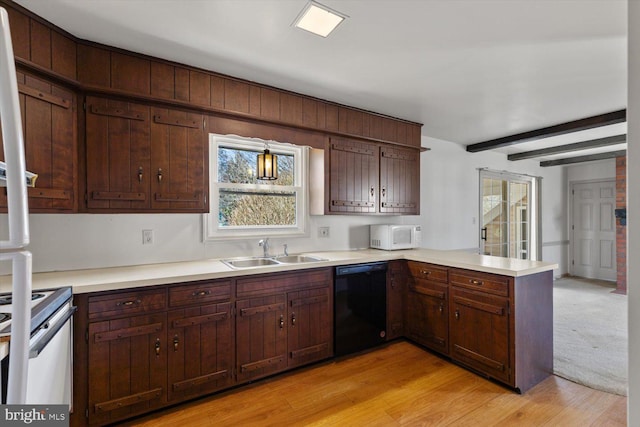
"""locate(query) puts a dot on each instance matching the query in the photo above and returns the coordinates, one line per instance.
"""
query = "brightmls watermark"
(36, 415)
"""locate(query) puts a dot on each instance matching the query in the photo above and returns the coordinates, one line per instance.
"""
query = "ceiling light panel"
(318, 19)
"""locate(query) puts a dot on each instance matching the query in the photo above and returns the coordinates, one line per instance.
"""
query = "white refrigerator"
(13, 176)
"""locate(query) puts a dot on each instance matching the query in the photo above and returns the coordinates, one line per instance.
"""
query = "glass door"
(505, 210)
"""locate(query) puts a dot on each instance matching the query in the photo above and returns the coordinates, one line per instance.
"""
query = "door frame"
(534, 211)
(570, 212)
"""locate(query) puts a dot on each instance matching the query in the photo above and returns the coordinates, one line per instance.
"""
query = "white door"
(594, 230)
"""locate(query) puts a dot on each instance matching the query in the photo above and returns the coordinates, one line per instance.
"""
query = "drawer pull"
(157, 347)
(128, 303)
(201, 293)
(425, 272)
(476, 282)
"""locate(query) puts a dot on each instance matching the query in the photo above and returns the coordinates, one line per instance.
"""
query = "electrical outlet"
(147, 237)
(323, 231)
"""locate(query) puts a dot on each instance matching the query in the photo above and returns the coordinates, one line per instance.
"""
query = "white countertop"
(104, 279)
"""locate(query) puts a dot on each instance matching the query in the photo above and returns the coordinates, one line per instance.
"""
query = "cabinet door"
(427, 314)
(480, 332)
(127, 367)
(178, 161)
(200, 350)
(49, 129)
(261, 336)
(399, 181)
(396, 280)
(353, 171)
(118, 159)
(310, 329)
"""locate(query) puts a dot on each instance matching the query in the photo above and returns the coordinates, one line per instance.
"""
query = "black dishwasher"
(360, 307)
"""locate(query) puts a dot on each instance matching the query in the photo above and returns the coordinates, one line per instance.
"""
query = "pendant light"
(267, 165)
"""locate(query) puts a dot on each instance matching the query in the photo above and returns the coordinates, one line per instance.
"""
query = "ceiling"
(469, 70)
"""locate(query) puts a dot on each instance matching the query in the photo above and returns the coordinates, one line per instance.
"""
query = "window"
(243, 206)
(509, 206)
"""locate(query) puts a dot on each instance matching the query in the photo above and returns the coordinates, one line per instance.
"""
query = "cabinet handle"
(372, 191)
(441, 309)
(159, 174)
(128, 303)
(157, 346)
(201, 293)
(176, 341)
(384, 192)
(293, 319)
(476, 282)
(457, 315)
(140, 174)
(426, 272)
(281, 321)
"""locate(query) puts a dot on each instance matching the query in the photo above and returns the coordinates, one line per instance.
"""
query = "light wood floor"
(396, 385)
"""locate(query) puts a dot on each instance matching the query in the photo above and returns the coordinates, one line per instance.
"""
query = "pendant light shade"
(267, 166)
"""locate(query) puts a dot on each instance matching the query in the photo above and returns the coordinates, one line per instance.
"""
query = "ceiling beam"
(561, 129)
(581, 159)
(582, 145)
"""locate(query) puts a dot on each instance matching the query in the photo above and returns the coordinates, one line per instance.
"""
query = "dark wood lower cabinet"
(142, 349)
(310, 329)
(261, 336)
(480, 335)
(200, 344)
(127, 367)
(428, 312)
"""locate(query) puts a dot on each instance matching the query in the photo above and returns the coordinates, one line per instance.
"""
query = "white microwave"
(391, 237)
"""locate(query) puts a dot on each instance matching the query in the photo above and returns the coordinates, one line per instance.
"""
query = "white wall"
(592, 171)
(633, 207)
(450, 198)
(449, 205)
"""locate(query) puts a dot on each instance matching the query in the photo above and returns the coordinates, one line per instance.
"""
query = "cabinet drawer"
(271, 284)
(201, 292)
(434, 273)
(429, 289)
(491, 283)
(126, 303)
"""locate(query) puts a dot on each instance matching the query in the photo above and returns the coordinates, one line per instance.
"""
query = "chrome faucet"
(286, 250)
(265, 247)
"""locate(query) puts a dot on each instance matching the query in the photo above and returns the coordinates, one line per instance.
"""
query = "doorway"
(593, 229)
(508, 210)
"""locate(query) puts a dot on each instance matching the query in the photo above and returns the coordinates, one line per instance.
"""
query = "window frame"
(211, 229)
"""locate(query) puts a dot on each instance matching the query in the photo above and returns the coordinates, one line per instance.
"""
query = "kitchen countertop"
(105, 279)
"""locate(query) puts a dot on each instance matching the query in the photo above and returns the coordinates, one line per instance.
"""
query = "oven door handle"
(38, 346)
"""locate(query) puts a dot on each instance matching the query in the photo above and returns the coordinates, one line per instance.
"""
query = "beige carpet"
(590, 334)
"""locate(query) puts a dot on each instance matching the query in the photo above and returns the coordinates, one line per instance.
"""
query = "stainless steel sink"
(250, 262)
(294, 259)
(263, 262)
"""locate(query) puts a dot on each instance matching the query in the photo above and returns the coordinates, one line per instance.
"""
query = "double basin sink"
(237, 263)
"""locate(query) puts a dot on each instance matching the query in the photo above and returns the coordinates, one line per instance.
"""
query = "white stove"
(49, 345)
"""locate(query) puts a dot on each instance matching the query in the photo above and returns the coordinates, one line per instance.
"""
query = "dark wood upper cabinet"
(399, 181)
(178, 159)
(49, 129)
(144, 159)
(368, 178)
(353, 176)
(118, 142)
